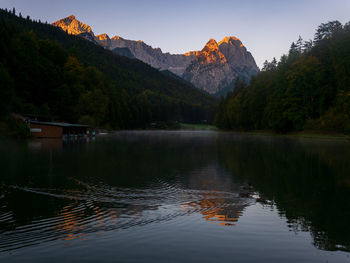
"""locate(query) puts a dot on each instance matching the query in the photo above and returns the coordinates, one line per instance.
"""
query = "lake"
(182, 196)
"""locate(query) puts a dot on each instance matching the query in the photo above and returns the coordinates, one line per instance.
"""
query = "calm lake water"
(175, 197)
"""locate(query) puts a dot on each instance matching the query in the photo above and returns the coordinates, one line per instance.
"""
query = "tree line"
(307, 89)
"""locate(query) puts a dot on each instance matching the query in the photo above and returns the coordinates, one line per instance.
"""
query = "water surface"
(175, 197)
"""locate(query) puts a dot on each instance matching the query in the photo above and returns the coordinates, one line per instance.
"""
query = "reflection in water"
(215, 210)
(307, 180)
(222, 200)
(74, 192)
(56, 144)
(99, 208)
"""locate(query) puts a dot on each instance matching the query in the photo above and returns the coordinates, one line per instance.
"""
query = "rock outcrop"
(104, 40)
(218, 65)
(212, 69)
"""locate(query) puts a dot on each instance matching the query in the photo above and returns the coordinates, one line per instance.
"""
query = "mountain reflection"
(216, 210)
(87, 209)
(220, 201)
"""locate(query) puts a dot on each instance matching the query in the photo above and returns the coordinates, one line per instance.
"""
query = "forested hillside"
(47, 72)
(308, 89)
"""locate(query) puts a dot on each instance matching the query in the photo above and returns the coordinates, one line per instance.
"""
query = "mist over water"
(175, 197)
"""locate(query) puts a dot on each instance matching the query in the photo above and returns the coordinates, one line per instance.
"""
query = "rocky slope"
(212, 69)
(153, 56)
(219, 64)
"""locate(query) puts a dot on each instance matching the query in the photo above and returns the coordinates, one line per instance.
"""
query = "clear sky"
(266, 27)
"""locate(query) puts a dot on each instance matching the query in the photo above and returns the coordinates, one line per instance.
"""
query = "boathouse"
(42, 129)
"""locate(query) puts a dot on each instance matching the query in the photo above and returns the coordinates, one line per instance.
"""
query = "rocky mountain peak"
(211, 46)
(116, 38)
(71, 17)
(103, 37)
(104, 40)
(219, 64)
(211, 53)
(229, 40)
(71, 25)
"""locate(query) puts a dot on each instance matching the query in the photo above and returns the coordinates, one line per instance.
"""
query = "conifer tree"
(299, 45)
(307, 46)
(327, 30)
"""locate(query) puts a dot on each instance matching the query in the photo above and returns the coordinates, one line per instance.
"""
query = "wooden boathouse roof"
(59, 124)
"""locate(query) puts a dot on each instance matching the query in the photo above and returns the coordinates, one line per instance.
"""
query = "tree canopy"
(307, 89)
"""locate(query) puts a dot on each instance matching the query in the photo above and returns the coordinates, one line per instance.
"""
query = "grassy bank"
(302, 134)
(198, 127)
(319, 135)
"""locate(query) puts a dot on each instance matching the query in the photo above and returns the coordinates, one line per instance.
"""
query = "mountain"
(218, 65)
(212, 69)
(47, 72)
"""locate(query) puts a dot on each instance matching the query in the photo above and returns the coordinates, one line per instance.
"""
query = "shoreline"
(203, 127)
(12, 133)
(302, 134)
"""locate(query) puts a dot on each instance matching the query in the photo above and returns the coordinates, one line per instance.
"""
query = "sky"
(266, 27)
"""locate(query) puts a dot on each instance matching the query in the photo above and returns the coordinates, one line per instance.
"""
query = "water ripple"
(96, 208)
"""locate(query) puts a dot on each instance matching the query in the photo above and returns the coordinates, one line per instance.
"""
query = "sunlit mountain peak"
(229, 40)
(103, 36)
(72, 26)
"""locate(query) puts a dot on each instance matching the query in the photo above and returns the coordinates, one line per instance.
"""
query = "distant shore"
(301, 134)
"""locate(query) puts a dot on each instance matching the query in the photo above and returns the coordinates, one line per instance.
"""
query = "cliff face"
(153, 56)
(212, 69)
(219, 64)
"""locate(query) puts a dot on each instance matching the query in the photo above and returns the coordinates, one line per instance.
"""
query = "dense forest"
(44, 71)
(308, 89)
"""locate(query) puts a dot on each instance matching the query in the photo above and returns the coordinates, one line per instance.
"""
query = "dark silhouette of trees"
(307, 89)
(327, 30)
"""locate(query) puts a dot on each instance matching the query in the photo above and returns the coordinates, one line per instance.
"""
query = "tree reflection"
(307, 179)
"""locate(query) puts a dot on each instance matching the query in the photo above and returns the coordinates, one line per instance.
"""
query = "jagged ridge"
(212, 69)
(218, 65)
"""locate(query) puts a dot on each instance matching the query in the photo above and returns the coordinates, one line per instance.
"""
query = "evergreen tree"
(273, 64)
(299, 45)
(265, 66)
(327, 30)
(307, 46)
(347, 27)
(293, 50)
